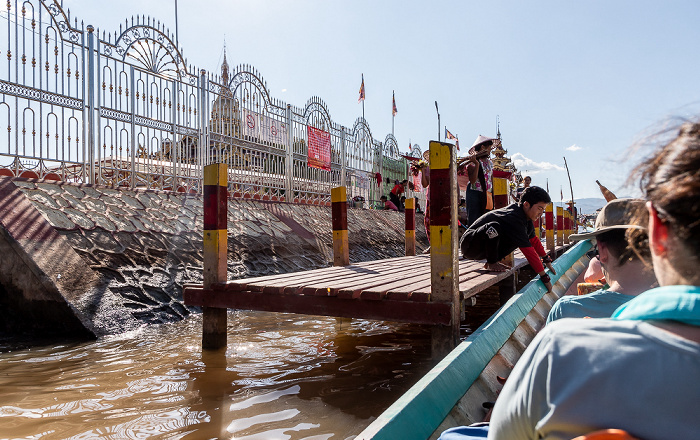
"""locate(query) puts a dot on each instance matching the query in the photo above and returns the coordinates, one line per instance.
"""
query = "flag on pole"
(362, 90)
(449, 135)
(562, 193)
(393, 105)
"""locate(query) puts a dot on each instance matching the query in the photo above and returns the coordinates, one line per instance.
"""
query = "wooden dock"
(396, 289)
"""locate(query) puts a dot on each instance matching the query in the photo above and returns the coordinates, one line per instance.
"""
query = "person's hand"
(551, 269)
(546, 280)
(547, 260)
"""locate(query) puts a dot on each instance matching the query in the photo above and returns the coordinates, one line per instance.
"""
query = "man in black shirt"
(497, 233)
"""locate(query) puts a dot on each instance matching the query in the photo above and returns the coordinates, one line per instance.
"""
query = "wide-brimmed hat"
(617, 214)
(480, 140)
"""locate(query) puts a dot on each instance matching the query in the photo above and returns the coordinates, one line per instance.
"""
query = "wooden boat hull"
(452, 393)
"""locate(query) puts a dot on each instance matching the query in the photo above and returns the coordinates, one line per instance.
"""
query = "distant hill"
(587, 206)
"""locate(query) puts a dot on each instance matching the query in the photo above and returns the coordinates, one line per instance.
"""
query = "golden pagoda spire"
(224, 69)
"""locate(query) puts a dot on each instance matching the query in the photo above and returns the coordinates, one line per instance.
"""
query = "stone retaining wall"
(86, 259)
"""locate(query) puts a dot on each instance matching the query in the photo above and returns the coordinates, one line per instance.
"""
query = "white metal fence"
(125, 109)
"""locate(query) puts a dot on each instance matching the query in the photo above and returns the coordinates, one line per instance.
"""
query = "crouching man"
(497, 233)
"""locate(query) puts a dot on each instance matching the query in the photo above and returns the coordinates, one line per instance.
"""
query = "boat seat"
(607, 434)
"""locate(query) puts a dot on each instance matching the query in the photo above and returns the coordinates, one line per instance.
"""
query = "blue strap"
(668, 303)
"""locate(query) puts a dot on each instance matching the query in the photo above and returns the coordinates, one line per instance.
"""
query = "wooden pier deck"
(396, 289)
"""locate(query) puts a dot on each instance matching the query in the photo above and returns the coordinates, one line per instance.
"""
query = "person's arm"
(536, 264)
(546, 259)
(473, 172)
(425, 177)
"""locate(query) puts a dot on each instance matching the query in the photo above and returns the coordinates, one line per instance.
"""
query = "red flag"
(362, 90)
(393, 106)
(449, 135)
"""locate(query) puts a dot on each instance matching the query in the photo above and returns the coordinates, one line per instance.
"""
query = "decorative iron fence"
(126, 110)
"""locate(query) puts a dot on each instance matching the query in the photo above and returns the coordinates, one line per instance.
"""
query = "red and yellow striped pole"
(560, 226)
(339, 210)
(567, 226)
(501, 180)
(215, 247)
(444, 268)
(549, 226)
(410, 211)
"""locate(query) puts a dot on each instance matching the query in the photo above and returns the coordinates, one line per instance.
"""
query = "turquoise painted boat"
(452, 393)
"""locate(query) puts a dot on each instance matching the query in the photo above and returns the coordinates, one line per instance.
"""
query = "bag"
(489, 201)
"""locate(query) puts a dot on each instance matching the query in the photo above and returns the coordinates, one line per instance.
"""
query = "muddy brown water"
(282, 376)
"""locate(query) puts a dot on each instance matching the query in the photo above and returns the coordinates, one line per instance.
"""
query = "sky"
(581, 80)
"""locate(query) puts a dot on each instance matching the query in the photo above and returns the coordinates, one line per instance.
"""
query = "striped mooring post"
(549, 227)
(501, 180)
(215, 247)
(567, 226)
(339, 211)
(410, 226)
(560, 226)
(444, 267)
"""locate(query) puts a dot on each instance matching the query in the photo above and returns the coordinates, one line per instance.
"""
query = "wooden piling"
(410, 228)
(567, 226)
(549, 227)
(444, 266)
(339, 209)
(560, 226)
(215, 247)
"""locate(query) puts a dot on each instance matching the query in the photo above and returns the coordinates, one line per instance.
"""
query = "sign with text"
(264, 128)
(319, 150)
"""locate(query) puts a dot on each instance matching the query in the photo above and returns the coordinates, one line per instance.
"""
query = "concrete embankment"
(91, 261)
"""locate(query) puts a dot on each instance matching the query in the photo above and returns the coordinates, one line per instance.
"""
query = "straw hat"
(480, 140)
(617, 214)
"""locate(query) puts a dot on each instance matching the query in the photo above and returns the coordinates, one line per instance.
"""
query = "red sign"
(319, 148)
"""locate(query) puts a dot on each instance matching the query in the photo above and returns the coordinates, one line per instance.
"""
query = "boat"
(453, 392)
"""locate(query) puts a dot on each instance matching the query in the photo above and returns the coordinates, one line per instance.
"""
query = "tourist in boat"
(388, 204)
(625, 272)
(637, 370)
(498, 233)
(479, 171)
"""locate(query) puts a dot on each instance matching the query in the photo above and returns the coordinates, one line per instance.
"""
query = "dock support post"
(501, 181)
(549, 227)
(339, 209)
(444, 267)
(215, 247)
(560, 226)
(567, 226)
(410, 211)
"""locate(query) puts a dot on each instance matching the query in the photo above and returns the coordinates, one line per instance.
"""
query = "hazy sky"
(577, 79)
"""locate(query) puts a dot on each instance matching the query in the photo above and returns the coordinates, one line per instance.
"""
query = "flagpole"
(363, 101)
(438, 114)
(393, 100)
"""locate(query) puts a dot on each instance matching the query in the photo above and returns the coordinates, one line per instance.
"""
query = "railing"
(126, 110)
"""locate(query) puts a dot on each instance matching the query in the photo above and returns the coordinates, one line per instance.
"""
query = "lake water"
(282, 376)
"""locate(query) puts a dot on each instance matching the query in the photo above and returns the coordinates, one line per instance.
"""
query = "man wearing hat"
(625, 273)
(479, 171)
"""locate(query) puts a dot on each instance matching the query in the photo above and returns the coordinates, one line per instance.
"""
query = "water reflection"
(282, 376)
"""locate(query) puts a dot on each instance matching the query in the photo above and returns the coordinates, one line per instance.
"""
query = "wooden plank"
(281, 280)
(243, 283)
(333, 286)
(406, 311)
